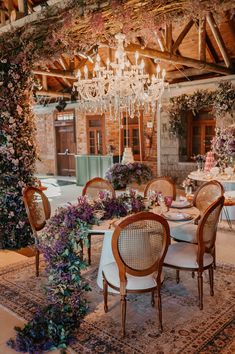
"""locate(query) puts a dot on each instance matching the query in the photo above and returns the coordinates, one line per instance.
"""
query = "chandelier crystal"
(119, 86)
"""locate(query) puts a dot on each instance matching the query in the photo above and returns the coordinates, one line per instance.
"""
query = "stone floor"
(59, 194)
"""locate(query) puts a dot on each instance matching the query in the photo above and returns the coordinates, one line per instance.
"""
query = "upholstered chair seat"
(186, 233)
(111, 274)
(184, 255)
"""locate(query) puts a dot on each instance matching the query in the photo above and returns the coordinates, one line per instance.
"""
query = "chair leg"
(159, 302)
(211, 277)
(177, 276)
(214, 259)
(105, 294)
(200, 289)
(123, 312)
(152, 299)
(89, 249)
(37, 262)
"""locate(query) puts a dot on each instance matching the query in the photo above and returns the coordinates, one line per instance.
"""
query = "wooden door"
(65, 148)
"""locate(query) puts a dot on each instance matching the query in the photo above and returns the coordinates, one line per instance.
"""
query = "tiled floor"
(58, 196)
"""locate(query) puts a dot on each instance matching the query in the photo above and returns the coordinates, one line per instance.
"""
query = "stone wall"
(46, 139)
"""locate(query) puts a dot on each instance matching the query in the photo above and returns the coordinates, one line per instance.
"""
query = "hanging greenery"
(221, 102)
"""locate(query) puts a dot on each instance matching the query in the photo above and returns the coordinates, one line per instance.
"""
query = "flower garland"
(120, 175)
(53, 325)
(18, 153)
(221, 101)
(223, 145)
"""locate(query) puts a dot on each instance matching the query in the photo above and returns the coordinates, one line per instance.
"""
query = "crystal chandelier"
(119, 86)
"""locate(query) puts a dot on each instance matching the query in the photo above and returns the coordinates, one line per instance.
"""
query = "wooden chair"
(198, 257)
(91, 190)
(161, 184)
(95, 185)
(139, 245)
(205, 195)
(38, 211)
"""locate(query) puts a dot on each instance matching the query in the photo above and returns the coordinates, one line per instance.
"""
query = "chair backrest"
(206, 194)
(95, 185)
(207, 228)
(37, 207)
(161, 184)
(140, 243)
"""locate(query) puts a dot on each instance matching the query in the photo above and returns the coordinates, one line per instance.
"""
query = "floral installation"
(120, 175)
(61, 245)
(221, 102)
(223, 145)
(18, 154)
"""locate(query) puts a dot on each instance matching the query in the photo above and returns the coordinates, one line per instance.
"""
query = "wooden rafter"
(169, 37)
(64, 74)
(202, 40)
(181, 36)
(219, 40)
(53, 94)
(178, 74)
(178, 59)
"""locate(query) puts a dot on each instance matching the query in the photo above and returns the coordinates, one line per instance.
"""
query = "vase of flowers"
(200, 161)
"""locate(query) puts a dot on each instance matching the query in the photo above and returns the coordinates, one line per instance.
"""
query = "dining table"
(107, 228)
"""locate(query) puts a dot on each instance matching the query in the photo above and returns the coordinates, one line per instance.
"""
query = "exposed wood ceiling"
(195, 49)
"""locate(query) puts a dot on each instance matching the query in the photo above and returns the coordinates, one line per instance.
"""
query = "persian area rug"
(186, 329)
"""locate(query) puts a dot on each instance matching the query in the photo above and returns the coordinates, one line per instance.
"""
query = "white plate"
(177, 216)
(180, 204)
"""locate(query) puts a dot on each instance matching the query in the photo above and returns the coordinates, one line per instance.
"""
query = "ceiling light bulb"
(136, 55)
(158, 68)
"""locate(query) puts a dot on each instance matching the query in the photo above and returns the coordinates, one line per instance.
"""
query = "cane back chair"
(198, 257)
(38, 210)
(91, 190)
(139, 245)
(205, 195)
(95, 185)
(161, 184)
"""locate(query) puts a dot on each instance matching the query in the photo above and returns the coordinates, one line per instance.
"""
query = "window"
(199, 129)
(65, 116)
(95, 135)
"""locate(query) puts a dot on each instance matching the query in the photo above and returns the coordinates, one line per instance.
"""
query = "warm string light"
(119, 86)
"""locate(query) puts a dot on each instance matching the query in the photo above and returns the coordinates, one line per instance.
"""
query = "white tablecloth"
(107, 228)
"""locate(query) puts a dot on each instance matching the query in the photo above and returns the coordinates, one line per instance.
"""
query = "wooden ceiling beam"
(219, 40)
(53, 94)
(169, 37)
(181, 36)
(64, 74)
(202, 39)
(176, 74)
(178, 59)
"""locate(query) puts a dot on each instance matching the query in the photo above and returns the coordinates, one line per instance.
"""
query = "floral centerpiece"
(120, 175)
(223, 146)
(200, 160)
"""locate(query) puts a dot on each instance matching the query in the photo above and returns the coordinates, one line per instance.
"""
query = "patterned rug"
(186, 329)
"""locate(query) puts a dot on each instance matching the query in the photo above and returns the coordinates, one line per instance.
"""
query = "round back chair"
(165, 185)
(206, 194)
(139, 245)
(38, 210)
(207, 228)
(95, 185)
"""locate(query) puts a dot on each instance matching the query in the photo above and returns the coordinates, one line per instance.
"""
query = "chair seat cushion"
(187, 233)
(111, 274)
(184, 255)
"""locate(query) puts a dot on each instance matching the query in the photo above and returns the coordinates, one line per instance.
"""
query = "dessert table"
(228, 183)
(107, 228)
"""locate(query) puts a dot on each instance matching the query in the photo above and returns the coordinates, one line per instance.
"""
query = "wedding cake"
(127, 155)
(210, 161)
